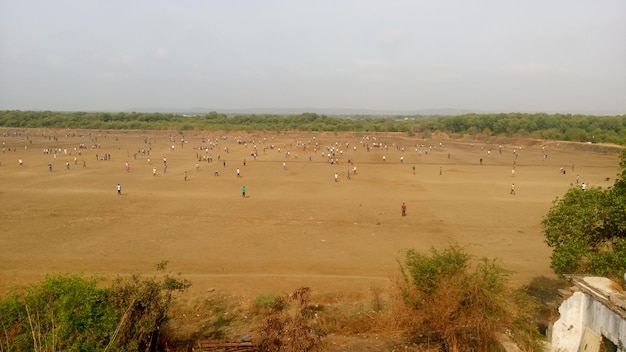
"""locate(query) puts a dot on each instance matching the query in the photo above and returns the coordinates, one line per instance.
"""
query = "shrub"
(290, 329)
(70, 313)
(459, 302)
(63, 312)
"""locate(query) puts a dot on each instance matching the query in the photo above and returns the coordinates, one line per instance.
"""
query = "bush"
(62, 313)
(289, 329)
(459, 302)
(70, 313)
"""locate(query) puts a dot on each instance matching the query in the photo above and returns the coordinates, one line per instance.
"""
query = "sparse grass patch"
(264, 303)
(214, 317)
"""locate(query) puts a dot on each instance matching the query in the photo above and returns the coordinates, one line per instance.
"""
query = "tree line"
(567, 127)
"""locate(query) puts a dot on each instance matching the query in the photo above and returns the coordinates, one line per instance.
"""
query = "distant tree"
(611, 129)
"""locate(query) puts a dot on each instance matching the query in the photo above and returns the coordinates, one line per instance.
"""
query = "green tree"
(587, 229)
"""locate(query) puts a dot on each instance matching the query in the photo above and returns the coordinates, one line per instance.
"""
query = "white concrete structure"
(595, 305)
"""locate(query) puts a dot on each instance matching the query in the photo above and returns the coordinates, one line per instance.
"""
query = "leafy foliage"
(426, 271)
(587, 229)
(582, 128)
(62, 313)
(71, 313)
(461, 302)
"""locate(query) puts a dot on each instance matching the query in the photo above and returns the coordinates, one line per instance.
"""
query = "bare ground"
(296, 226)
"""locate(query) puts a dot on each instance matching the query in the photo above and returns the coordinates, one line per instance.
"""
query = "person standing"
(583, 186)
(238, 173)
(403, 209)
(513, 188)
(243, 192)
(336, 177)
(119, 190)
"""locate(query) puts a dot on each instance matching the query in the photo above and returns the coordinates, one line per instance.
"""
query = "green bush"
(61, 313)
(71, 313)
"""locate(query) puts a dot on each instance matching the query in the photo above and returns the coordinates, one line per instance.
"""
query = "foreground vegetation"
(464, 304)
(587, 229)
(444, 299)
(567, 127)
(71, 313)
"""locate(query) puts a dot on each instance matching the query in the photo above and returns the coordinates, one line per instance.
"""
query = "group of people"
(333, 152)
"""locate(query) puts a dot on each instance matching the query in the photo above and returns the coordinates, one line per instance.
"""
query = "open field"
(296, 226)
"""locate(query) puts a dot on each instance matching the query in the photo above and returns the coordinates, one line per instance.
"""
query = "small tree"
(144, 304)
(587, 229)
(460, 302)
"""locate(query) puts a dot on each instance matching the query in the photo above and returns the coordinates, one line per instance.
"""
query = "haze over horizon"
(351, 55)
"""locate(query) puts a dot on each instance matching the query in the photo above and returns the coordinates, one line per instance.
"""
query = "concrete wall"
(582, 311)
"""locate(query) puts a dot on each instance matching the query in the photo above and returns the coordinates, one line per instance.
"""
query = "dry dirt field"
(296, 226)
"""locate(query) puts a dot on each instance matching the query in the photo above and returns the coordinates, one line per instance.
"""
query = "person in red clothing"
(403, 209)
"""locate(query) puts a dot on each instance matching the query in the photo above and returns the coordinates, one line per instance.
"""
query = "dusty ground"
(296, 226)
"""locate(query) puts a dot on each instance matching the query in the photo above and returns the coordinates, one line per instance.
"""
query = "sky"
(566, 56)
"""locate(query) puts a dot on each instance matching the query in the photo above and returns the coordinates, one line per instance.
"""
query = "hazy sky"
(491, 55)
